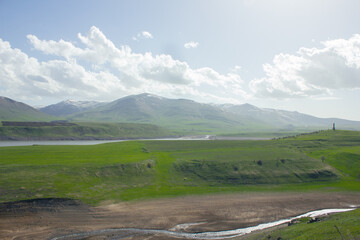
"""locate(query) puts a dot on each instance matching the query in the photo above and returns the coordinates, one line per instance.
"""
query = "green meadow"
(323, 161)
(336, 226)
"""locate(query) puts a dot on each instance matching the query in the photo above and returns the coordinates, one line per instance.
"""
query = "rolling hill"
(11, 110)
(147, 169)
(80, 131)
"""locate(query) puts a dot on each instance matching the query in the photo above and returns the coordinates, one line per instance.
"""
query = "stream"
(119, 233)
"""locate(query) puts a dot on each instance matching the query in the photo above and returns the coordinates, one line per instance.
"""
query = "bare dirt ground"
(45, 219)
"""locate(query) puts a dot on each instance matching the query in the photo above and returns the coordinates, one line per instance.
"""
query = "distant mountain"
(180, 114)
(70, 107)
(188, 115)
(11, 110)
(287, 119)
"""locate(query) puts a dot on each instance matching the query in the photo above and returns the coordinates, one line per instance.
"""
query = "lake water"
(94, 142)
(75, 142)
(86, 142)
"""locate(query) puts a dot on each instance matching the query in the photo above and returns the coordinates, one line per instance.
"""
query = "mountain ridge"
(180, 114)
(150, 108)
(185, 115)
(67, 107)
(11, 110)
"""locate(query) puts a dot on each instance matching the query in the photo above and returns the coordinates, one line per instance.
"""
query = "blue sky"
(293, 55)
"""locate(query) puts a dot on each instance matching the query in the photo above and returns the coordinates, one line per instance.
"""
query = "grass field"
(325, 161)
(337, 226)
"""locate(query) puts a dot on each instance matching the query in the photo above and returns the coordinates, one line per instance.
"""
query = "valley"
(165, 120)
(138, 189)
(219, 184)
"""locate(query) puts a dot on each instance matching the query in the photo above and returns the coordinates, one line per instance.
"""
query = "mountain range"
(180, 115)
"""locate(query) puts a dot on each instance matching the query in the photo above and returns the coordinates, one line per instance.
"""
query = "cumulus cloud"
(101, 70)
(24, 75)
(61, 47)
(191, 44)
(142, 35)
(313, 71)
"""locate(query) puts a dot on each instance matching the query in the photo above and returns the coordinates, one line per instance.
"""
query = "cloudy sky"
(298, 55)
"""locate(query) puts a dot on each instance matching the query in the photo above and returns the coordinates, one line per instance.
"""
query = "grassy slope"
(339, 149)
(84, 131)
(338, 226)
(91, 173)
(195, 126)
(16, 111)
(24, 116)
(234, 163)
(146, 169)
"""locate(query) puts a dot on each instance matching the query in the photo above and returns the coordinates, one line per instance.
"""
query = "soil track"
(47, 218)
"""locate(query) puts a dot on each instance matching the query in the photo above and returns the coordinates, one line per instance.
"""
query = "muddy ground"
(49, 218)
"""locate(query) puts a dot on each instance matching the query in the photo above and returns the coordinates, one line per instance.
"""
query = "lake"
(94, 142)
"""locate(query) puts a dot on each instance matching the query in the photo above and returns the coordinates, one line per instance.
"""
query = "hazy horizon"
(299, 56)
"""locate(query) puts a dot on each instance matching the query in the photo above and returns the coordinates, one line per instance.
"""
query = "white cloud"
(61, 47)
(101, 70)
(24, 75)
(191, 44)
(142, 35)
(236, 69)
(313, 71)
(146, 34)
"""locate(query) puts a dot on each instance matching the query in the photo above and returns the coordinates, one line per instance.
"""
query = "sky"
(297, 55)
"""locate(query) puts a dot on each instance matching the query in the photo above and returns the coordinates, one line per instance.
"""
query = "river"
(126, 232)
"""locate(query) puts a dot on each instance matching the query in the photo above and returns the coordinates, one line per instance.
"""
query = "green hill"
(77, 131)
(147, 169)
(11, 110)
